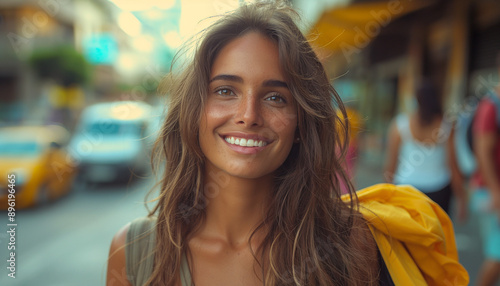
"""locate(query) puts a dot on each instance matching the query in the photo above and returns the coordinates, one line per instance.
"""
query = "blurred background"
(79, 107)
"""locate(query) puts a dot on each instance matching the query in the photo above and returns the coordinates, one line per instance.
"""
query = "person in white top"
(421, 152)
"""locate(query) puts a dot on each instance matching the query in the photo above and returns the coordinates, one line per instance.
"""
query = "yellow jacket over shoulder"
(414, 235)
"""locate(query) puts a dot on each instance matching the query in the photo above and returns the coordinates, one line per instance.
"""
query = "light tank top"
(423, 165)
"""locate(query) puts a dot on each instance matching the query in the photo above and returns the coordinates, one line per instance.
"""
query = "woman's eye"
(224, 92)
(276, 98)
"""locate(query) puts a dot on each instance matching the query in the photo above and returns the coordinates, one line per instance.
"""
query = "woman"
(421, 151)
(250, 195)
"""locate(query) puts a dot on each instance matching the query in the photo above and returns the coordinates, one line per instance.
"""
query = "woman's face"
(248, 123)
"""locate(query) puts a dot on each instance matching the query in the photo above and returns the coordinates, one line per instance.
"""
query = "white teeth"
(244, 142)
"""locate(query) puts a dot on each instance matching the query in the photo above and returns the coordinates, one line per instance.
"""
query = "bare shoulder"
(116, 273)
(393, 131)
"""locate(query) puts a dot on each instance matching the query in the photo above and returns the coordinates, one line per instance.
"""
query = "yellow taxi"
(33, 165)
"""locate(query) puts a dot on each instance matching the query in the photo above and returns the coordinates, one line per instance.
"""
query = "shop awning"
(351, 28)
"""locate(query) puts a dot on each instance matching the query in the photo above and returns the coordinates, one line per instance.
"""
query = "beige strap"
(139, 250)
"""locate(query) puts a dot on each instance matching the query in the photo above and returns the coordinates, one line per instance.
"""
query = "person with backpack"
(486, 182)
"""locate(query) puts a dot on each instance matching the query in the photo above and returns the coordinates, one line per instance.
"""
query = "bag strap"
(139, 250)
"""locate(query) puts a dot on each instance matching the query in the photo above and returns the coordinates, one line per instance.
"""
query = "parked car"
(41, 167)
(111, 141)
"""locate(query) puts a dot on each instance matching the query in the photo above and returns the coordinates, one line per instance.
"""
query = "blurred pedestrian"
(421, 151)
(486, 182)
(248, 193)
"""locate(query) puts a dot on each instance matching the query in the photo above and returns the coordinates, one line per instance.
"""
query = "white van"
(111, 141)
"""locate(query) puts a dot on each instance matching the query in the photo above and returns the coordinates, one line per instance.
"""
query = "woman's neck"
(235, 207)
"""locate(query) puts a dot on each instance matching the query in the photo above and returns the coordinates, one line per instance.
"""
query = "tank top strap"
(403, 125)
(139, 253)
(185, 272)
(139, 250)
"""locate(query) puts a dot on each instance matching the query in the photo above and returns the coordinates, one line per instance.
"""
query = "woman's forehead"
(252, 54)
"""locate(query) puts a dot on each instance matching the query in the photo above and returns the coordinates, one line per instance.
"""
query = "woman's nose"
(249, 111)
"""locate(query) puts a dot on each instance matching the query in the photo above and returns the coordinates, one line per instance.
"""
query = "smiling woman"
(248, 102)
(250, 192)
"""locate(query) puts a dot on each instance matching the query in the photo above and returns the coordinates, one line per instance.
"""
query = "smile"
(245, 142)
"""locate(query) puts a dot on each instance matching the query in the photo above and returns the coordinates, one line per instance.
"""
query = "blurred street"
(82, 95)
(66, 243)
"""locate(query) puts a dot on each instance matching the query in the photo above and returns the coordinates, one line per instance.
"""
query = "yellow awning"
(351, 28)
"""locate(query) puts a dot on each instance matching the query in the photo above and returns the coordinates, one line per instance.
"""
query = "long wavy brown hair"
(309, 241)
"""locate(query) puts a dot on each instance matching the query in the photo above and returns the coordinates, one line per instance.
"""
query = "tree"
(63, 64)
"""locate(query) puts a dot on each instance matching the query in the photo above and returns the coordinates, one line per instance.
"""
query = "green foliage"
(62, 64)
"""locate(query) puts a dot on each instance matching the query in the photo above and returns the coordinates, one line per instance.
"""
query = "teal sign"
(101, 49)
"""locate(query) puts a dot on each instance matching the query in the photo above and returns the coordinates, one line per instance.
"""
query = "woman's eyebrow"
(235, 78)
(228, 77)
(275, 83)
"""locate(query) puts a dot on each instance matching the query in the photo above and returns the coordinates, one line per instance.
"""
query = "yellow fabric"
(414, 235)
(355, 124)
